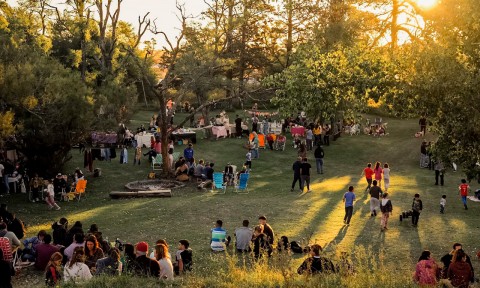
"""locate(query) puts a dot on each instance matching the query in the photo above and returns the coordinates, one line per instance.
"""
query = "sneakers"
(291, 190)
(58, 208)
(309, 191)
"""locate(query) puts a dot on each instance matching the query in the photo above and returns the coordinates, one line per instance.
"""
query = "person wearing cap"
(144, 265)
(59, 184)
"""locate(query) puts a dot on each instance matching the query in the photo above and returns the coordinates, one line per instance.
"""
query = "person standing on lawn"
(463, 190)
(297, 166)
(386, 208)
(305, 174)
(417, 207)
(348, 199)
(188, 153)
(386, 177)
(319, 154)
(378, 171)
(368, 172)
(375, 193)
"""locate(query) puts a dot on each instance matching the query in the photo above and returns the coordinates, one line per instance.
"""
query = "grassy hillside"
(315, 217)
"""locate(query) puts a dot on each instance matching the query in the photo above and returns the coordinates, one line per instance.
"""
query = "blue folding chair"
(242, 187)
(218, 183)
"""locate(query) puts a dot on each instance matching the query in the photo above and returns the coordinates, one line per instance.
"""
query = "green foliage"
(323, 83)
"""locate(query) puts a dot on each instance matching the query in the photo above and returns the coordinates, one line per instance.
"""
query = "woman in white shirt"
(76, 271)
(386, 177)
(163, 258)
(50, 198)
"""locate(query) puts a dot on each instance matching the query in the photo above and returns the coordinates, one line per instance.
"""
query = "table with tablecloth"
(144, 139)
(184, 135)
(298, 130)
(219, 131)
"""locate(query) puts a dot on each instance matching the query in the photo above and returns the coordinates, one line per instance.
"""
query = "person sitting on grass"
(93, 252)
(181, 173)
(426, 270)
(243, 237)
(219, 238)
(79, 242)
(460, 273)
(76, 271)
(45, 252)
(30, 244)
(144, 265)
(128, 260)
(6, 272)
(316, 264)
(163, 257)
(197, 173)
(260, 243)
(12, 238)
(184, 258)
(53, 270)
(110, 265)
(60, 231)
(449, 259)
(267, 229)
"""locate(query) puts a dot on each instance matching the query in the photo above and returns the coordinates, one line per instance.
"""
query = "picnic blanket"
(473, 198)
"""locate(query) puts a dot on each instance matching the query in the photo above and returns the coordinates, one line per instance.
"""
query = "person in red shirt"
(368, 172)
(463, 189)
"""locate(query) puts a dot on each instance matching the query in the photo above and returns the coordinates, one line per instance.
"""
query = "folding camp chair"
(242, 188)
(157, 162)
(218, 183)
(80, 188)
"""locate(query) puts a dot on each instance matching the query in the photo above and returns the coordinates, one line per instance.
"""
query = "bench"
(164, 193)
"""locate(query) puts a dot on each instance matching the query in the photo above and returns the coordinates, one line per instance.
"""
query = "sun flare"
(426, 4)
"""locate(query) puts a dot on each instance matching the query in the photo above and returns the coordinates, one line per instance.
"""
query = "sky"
(164, 11)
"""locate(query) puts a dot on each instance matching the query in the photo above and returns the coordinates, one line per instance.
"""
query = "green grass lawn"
(318, 215)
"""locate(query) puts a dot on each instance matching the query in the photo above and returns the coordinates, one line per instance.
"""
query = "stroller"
(280, 142)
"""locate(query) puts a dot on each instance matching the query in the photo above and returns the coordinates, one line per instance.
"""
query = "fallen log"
(146, 193)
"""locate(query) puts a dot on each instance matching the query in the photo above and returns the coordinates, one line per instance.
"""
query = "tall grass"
(240, 270)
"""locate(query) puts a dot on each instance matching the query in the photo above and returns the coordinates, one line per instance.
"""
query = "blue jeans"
(464, 200)
(319, 162)
(255, 153)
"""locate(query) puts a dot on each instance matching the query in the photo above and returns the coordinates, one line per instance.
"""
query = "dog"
(419, 134)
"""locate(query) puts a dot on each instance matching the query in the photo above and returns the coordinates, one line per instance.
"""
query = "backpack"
(416, 205)
(295, 247)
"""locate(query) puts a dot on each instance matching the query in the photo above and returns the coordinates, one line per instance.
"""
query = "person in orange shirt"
(463, 189)
(368, 172)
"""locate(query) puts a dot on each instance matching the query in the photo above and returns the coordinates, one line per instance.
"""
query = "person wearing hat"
(144, 265)
(59, 184)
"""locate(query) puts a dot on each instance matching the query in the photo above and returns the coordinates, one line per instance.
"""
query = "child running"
(443, 201)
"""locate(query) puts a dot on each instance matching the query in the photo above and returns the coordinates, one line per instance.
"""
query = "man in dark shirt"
(423, 124)
(297, 166)
(316, 264)
(375, 193)
(60, 231)
(319, 154)
(209, 172)
(144, 265)
(267, 229)
(59, 184)
(238, 127)
(305, 174)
